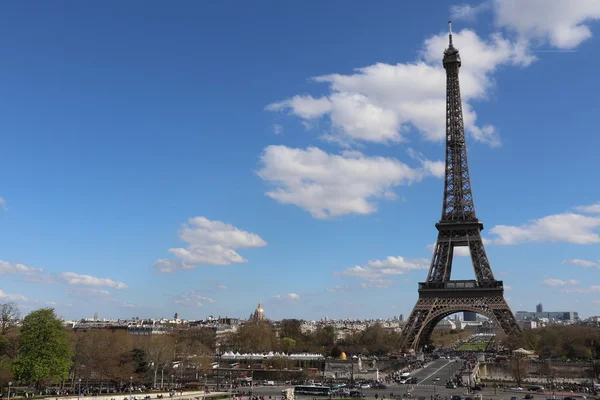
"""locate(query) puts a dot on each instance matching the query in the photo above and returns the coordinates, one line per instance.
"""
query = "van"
(269, 383)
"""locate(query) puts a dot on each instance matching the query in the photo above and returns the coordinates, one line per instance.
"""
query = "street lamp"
(9, 385)
(79, 390)
(130, 387)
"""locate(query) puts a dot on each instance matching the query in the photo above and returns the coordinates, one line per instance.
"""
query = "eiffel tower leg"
(481, 264)
(506, 319)
(414, 325)
(441, 263)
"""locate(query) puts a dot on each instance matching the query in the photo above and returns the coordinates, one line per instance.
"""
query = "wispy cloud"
(583, 263)
(192, 299)
(559, 282)
(87, 280)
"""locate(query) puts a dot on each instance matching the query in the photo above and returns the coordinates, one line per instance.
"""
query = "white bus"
(312, 390)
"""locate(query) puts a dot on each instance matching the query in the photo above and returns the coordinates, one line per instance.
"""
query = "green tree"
(288, 344)
(139, 360)
(336, 352)
(44, 349)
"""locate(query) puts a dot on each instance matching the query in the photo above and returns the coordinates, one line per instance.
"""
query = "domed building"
(259, 314)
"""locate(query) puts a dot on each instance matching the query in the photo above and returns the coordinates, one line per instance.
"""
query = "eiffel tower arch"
(439, 296)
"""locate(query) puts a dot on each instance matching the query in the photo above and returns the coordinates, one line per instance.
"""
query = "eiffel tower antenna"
(439, 296)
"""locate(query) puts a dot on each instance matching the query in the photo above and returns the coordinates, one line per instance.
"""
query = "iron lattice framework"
(439, 296)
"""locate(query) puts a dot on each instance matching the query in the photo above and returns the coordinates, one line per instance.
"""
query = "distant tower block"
(469, 316)
(539, 308)
(96, 316)
(176, 316)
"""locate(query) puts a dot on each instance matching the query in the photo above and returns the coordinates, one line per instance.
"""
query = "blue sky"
(202, 157)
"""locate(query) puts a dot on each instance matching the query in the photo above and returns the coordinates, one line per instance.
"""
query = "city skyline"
(206, 165)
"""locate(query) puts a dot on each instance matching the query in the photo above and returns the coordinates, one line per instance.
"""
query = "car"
(365, 386)
(529, 396)
(515, 388)
(450, 385)
(477, 387)
(455, 398)
(436, 379)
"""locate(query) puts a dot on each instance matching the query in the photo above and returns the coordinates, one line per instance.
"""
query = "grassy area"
(472, 346)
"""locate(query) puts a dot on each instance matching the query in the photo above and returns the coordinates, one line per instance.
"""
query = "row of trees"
(40, 351)
(567, 342)
(260, 336)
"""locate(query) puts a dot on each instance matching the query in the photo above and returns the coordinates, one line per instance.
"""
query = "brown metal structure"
(439, 296)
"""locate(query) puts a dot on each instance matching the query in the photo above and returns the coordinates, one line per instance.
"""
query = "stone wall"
(563, 370)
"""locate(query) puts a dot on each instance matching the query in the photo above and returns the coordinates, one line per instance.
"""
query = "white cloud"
(380, 103)
(222, 287)
(590, 289)
(7, 268)
(331, 185)
(306, 107)
(557, 282)
(51, 303)
(12, 297)
(87, 280)
(3, 204)
(288, 297)
(209, 242)
(374, 271)
(583, 263)
(564, 24)
(507, 287)
(591, 209)
(126, 305)
(99, 292)
(376, 283)
(277, 129)
(293, 296)
(567, 227)
(192, 299)
(468, 12)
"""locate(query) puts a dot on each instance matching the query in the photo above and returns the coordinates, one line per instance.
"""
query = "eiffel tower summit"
(439, 296)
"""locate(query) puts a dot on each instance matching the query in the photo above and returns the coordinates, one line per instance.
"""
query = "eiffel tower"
(440, 296)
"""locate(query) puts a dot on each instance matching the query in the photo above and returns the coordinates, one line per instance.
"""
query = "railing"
(458, 285)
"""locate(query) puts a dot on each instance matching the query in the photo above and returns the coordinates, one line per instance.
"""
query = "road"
(437, 373)
(427, 391)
